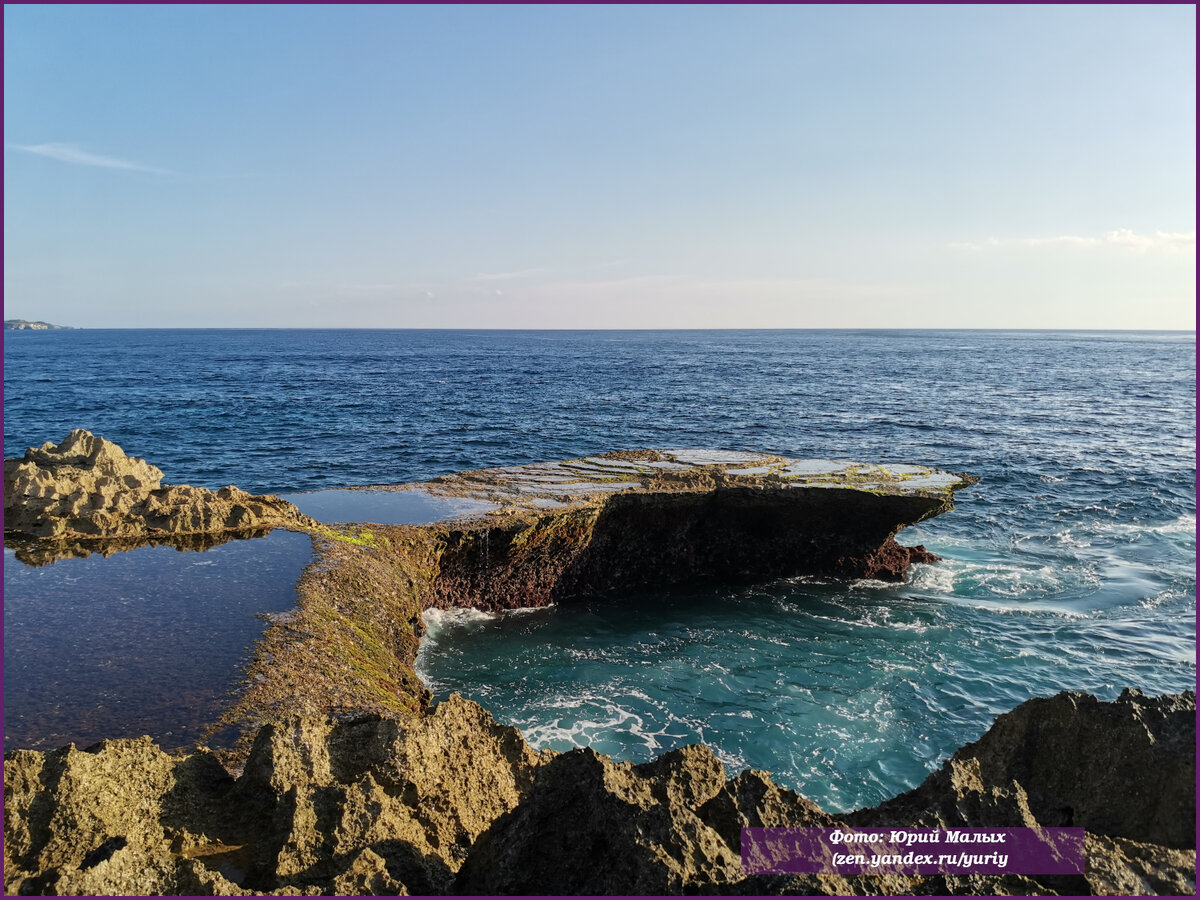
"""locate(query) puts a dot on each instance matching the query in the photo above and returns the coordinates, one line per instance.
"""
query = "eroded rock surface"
(454, 803)
(86, 487)
(634, 519)
(371, 804)
(1121, 769)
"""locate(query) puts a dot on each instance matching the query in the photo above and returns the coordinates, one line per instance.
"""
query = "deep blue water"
(147, 641)
(1070, 565)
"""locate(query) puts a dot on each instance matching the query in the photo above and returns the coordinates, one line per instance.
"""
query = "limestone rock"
(1121, 868)
(370, 804)
(456, 803)
(87, 488)
(752, 800)
(1123, 769)
(594, 826)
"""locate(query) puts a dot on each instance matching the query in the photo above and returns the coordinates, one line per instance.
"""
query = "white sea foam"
(986, 583)
(867, 584)
(1162, 597)
(524, 610)
(438, 621)
(601, 717)
(937, 579)
(1183, 525)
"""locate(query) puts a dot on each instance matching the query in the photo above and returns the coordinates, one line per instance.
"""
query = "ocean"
(1070, 565)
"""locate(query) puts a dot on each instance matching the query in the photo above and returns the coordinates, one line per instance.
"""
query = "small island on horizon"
(26, 325)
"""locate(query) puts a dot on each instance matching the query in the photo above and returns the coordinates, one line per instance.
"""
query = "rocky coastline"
(26, 325)
(348, 780)
(454, 803)
(539, 534)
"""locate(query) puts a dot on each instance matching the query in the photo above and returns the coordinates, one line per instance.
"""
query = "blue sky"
(600, 166)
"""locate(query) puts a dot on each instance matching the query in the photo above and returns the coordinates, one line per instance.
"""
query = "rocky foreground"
(454, 803)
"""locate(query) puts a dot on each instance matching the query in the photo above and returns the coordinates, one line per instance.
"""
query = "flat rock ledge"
(87, 488)
(642, 518)
(455, 803)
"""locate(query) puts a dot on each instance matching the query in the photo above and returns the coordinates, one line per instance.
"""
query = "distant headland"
(24, 325)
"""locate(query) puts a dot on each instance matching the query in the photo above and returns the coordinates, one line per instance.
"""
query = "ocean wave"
(600, 722)
(1007, 580)
(1185, 524)
(438, 621)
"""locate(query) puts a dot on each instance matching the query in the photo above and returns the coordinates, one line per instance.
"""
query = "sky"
(600, 166)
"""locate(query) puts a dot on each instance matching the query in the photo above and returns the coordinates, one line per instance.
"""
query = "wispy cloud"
(509, 276)
(1160, 240)
(69, 153)
(1122, 237)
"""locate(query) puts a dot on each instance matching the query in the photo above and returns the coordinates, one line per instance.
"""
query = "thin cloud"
(509, 276)
(1160, 240)
(974, 245)
(1122, 237)
(1063, 240)
(69, 153)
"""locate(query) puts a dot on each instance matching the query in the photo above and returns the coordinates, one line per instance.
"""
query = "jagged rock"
(454, 802)
(553, 532)
(594, 826)
(1122, 868)
(956, 796)
(319, 806)
(647, 518)
(1123, 769)
(367, 875)
(86, 487)
(752, 800)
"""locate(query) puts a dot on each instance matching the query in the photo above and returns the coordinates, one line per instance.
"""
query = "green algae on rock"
(554, 532)
(633, 519)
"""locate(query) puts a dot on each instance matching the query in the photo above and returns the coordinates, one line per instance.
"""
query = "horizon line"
(610, 329)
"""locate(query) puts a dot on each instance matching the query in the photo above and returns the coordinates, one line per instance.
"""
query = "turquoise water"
(1070, 565)
(848, 693)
